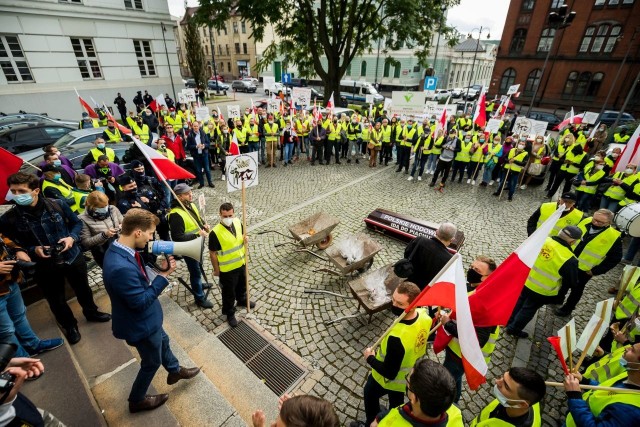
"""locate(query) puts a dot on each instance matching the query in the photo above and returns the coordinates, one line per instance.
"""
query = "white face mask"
(598, 159)
(615, 155)
(521, 146)
(628, 171)
(227, 221)
(599, 167)
(503, 399)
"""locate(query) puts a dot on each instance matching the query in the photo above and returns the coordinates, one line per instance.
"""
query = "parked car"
(218, 78)
(456, 92)
(190, 84)
(315, 95)
(23, 117)
(211, 85)
(276, 88)
(470, 93)
(28, 136)
(336, 111)
(543, 116)
(251, 80)
(609, 117)
(242, 86)
(440, 94)
(72, 138)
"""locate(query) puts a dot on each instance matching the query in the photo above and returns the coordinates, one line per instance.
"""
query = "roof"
(470, 45)
(190, 11)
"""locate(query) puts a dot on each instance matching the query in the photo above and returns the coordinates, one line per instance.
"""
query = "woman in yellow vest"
(423, 148)
(614, 194)
(477, 158)
(375, 144)
(333, 141)
(240, 133)
(557, 159)
(516, 160)
(492, 151)
(574, 161)
(591, 178)
(538, 151)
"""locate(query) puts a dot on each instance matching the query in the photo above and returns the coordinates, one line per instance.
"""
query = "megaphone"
(192, 249)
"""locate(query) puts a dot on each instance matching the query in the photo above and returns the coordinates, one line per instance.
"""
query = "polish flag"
(220, 114)
(157, 103)
(10, 165)
(87, 107)
(123, 129)
(630, 153)
(440, 124)
(164, 168)
(234, 147)
(330, 103)
(480, 116)
(571, 120)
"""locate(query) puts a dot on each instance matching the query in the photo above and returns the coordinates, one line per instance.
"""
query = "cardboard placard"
(564, 340)
(493, 126)
(189, 95)
(202, 114)
(243, 167)
(526, 126)
(233, 111)
(586, 334)
(301, 96)
(513, 89)
(590, 117)
(273, 105)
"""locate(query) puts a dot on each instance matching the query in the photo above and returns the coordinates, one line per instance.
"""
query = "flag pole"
(246, 249)
(594, 333)
(32, 165)
(504, 183)
(399, 318)
(567, 332)
(595, 387)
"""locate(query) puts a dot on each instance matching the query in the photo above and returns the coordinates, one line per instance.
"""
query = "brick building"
(585, 57)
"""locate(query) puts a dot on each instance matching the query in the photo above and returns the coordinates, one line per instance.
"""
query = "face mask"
(481, 140)
(57, 177)
(139, 174)
(503, 399)
(132, 193)
(523, 139)
(270, 122)
(57, 163)
(111, 127)
(615, 155)
(173, 114)
(566, 140)
(628, 171)
(227, 221)
(473, 276)
(24, 199)
(186, 126)
(409, 126)
(599, 167)
(100, 213)
(225, 131)
(397, 311)
(625, 365)
(637, 323)
(598, 159)
(598, 227)
(101, 146)
(521, 146)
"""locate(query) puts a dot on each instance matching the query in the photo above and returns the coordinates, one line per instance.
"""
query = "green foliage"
(194, 54)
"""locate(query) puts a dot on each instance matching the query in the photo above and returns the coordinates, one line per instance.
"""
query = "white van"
(355, 92)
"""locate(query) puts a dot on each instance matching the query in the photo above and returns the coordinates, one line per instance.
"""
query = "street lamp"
(475, 54)
(443, 8)
(557, 20)
(213, 59)
(173, 88)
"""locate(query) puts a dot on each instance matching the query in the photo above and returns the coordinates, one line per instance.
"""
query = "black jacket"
(429, 258)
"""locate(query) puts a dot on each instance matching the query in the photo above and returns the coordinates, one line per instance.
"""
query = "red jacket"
(176, 146)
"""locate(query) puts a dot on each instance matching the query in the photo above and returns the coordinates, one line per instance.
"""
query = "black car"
(190, 84)
(543, 116)
(28, 136)
(609, 117)
(315, 95)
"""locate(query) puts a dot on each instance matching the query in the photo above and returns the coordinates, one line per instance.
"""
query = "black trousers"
(458, 166)
(332, 147)
(386, 153)
(372, 394)
(404, 154)
(554, 168)
(563, 176)
(576, 292)
(526, 307)
(233, 284)
(317, 150)
(444, 168)
(50, 278)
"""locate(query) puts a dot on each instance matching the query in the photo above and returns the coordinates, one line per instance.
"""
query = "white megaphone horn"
(192, 249)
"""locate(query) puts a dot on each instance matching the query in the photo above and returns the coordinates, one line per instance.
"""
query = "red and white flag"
(440, 124)
(630, 153)
(123, 129)
(220, 114)
(10, 165)
(164, 168)
(157, 103)
(234, 147)
(480, 116)
(330, 103)
(92, 113)
(571, 120)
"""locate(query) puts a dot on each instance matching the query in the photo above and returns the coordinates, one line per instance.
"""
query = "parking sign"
(430, 83)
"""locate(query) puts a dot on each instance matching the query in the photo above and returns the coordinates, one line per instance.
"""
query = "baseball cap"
(569, 196)
(125, 179)
(181, 188)
(572, 231)
(85, 115)
(136, 164)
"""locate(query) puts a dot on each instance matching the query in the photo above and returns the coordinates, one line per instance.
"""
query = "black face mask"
(397, 311)
(139, 174)
(473, 276)
(98, 216)
(598, 227)
(131, 193)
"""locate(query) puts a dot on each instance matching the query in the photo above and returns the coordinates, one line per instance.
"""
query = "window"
(570, 84)
(556, 4)
(27, 135)
(235, 27)
(600, 39)
(517, 43)
(145, 57)
(229, 66)
(416, 69)
(219, 49)
(614, 2)
(243, 27)
(87, 58)
(55, 133)
(133, 4)
(387, 67)
(363, 68)
(594, 84)
(533, 80)
(524, 19)
(71, 1)
(586, 40)
(396, 72)
(583, 84)
(225, 29)
(237, 45)
(528, 4)
(13, 62)
(206, 49)
(627, 1)
(612, 39)
(599, 3)
(244, 48)
(546, 39)
(218, 31)
(227, 48)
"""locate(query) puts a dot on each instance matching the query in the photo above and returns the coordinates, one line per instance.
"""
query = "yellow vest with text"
(414, 340)
(596, 250)
(484, 420)
(544, 278)
(231, 256)
(190, 224)
(575, 160)
(572, 218)
(516, 158)
(96, 152)
(394, 418)
(114, 136)
(464, 155)
(65, 190)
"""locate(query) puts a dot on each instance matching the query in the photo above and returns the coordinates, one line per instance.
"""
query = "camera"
(20, 265)
(54, 252)
(7, 380)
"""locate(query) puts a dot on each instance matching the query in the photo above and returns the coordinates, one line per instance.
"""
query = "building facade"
(50, 48)
(586, 67)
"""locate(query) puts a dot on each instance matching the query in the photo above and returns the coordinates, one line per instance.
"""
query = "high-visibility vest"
(333, 131)
(591, 176)
(462, 122)
(253, 131)
(399, 130)
(427, 144)
(635, 190)
(65, 190)
(168, 154)
(231, 256)
(176, 121)
(487, 348)
(572, 218)
(302, 127)
(595, 251)
(271, 129)
(607, 367)
(241, 135)
(190, 224)
(386, 134)
(376, 137)
(80, 197)
(477, 154)
(516, 158)
(615, 192)
(492, 152)
(575, 160)
(598, 400)
(544, 278)
(186, 116)
(414, 340)
(484, 418)
(464, 155)
(407, 136)
(114, 136)
(629, 303)
(94, 123)
(437, 146)
(619, 139)
(395, 419)
(96, 152)
(560, 151)
(353, 130)
(366, 132)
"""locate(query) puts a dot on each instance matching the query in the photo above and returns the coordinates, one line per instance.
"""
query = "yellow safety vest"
(231, 256)
(492, 152)
(407, 136)
(561, 150)
(484, 420)
(427, 145)
(615, 192)
(607, 367)
(96, 152)
(190, 224)
(376, 137)
(94, 123)
(174, 121)
(395, 419)
(487, 349)
(595, 251)
(386, 134)
(80, 197)
(629, 303)
(65, 190)
(544, 278)
(598, 400)
(414, 340)
(591, 177)
(516, 158)
(437, 146)
(271, 129)
(302, 127)
(113, 136)
(575, 160)
(168, 154)
(572, 218)
(241, 135)
(620, 139)
(477, 154)
(253, 130)
(365, 132)
(333, 131)
(464, 155)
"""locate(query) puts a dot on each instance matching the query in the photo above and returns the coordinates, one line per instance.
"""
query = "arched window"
(517, 43)
(508, 79)
(387, 67)
(570, 84)
(396, 71)
(363, 68)
(546, 39)
(528, 4)
(594, 84)
(583, 83)
(602, 38)
(533, 80)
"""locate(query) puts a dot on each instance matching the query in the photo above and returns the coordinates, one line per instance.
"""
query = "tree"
(195, 56)
(338, 30)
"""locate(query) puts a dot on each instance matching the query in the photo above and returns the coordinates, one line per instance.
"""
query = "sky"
(469, 14)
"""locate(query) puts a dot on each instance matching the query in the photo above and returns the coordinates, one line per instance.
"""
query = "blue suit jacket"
(136, 311)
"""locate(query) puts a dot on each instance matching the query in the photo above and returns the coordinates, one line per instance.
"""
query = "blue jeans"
(432, 162)
(584, 201)
(201, 162)
(288, 151)
(154, 351)
(608, 203)
(422, 159)
(456, 370)
(254, 146)
(632, 250)
(14, 326)
(263, 156)
(486, 172)
(195, 277)
(512, 182)
(305, 141)
(167, 193)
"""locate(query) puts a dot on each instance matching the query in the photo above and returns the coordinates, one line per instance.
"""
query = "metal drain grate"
(267, 362)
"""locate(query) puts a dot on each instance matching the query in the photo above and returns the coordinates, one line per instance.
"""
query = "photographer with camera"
(101, 225)
(137, 314)
(49, 231)
(14, 326)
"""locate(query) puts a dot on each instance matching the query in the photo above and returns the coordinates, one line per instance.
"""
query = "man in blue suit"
(137, 314)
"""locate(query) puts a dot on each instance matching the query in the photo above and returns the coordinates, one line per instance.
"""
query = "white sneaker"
(224, 178)
(523, 187)
(473, 182)
(469, 181)
(419, 178)
(410, 178)
(491, 182)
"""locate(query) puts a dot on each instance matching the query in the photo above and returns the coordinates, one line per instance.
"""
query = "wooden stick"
(589, 342)
(435, 328)
(32, 165)
(504, 183)
(246, 249)
(567, 332)
(623, 288)
(595, 387)
(473, 177)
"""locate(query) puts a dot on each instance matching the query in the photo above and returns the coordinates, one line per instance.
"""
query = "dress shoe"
(73, 335)
(211, 185)
(517, 334)
(149, 403)
(182, 374)
(232, 321)
(562, 312)
(98, 316)
(204, 303)
(200, 187)
(244, 304)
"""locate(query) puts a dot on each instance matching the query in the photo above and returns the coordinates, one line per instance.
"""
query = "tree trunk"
(332, 83)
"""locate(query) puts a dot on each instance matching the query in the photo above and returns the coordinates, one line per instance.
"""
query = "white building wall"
(44, 29)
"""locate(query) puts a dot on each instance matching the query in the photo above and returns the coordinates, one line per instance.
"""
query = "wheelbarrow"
(315, 230)
(342, 268)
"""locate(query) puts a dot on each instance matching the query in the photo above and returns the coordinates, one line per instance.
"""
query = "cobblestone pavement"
(350, 192)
